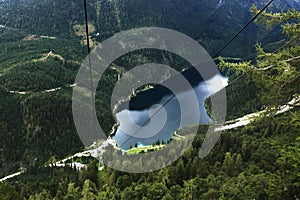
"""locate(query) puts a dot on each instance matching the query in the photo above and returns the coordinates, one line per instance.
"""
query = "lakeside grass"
(145, 149)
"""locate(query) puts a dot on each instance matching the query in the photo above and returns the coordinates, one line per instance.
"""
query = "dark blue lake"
(165, 114)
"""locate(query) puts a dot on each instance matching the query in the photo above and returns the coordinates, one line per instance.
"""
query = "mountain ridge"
(202, 20)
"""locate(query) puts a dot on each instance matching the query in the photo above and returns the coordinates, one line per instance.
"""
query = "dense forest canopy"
(258, 161)
(211, 22)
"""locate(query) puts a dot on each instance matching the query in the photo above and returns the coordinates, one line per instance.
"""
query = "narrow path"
(3, 26)
(47, 91)
(247, 119)
(11, 176)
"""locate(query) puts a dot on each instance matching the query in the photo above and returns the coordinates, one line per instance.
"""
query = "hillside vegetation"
(258, 161)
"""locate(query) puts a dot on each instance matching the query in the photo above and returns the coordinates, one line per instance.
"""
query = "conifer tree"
(277, 74)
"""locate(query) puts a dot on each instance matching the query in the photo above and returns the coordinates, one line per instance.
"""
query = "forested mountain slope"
(259, 161)
(212, 22)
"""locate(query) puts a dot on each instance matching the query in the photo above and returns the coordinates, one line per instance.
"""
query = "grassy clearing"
(80, 29)
(145, 149)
